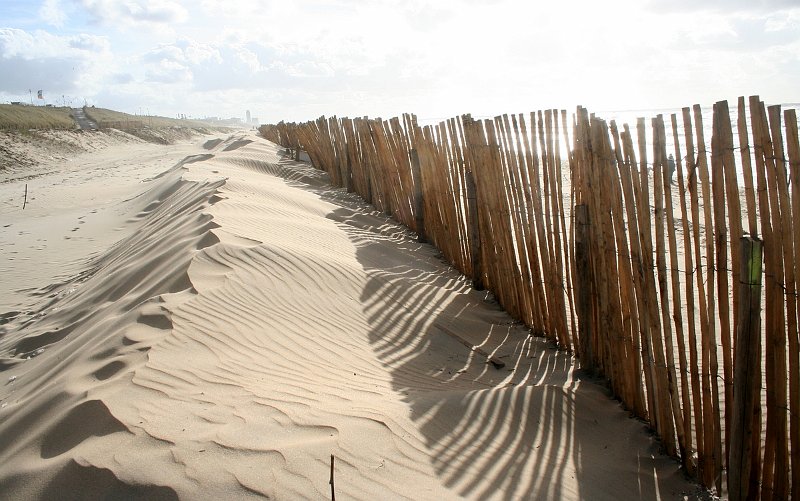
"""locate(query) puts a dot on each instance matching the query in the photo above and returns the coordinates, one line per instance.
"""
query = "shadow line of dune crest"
(86, 339)
(77, 481)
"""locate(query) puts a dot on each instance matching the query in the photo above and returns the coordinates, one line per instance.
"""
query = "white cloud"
(129, 13)
(169, 72)
(91, 43)
(721, 5)
(53, 13)
(226, 65)
(783, 21)
(164, 52)
(434, 57)
(248, 58)
(39, 44)
(198, 53)
(40, 59)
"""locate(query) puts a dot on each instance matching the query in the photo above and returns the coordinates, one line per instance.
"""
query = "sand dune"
(249, 322)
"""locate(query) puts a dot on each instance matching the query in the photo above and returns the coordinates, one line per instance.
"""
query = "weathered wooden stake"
(583, 285)
(474, 231)
(746, 376)
(419, 202)
(25, 200)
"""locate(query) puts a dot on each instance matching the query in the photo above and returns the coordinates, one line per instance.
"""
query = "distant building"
(228, 122)
(248, 116)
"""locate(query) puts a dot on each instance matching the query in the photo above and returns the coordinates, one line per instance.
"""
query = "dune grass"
(17, 117)
(105, 116)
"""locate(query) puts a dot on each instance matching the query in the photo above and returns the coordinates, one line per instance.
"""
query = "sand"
(210, 320)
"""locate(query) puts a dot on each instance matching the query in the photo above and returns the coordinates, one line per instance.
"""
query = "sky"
(295, 60)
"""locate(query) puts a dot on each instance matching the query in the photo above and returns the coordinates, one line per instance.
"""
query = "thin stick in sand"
(333, 493)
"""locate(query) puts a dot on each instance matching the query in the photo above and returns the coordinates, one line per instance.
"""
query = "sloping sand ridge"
(253, 321)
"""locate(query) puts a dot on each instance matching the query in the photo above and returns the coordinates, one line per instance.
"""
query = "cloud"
(34, 60)
(122, 78)
(22, 74)
(53, 13)
(168, 72)
(302, 58)
(131, 13)
(40, 59)
(91, 43)
(163, 53)
(720, 5)
(29, 45)
(228, 66)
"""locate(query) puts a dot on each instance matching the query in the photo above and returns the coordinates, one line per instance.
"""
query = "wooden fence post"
(474, 231)
(419, 202)
(583, 285)
(746, 376)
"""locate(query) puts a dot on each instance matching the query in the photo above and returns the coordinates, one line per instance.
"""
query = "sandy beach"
(211, 320)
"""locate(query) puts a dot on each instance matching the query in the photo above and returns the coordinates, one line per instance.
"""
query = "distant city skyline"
(298, 60)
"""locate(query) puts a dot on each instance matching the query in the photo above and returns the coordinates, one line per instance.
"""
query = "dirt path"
(84, 123)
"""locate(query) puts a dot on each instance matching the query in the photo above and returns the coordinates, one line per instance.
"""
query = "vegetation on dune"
(108, 118)
(153, 129)
(19, 117)
(14, 117)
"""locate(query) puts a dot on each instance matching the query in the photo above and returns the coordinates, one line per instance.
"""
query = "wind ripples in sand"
(263, 324)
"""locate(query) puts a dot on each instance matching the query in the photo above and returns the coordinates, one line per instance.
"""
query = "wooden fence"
(643, 248)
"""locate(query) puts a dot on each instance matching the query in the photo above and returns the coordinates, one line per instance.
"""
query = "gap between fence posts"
(583, 285)
(746, 376)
